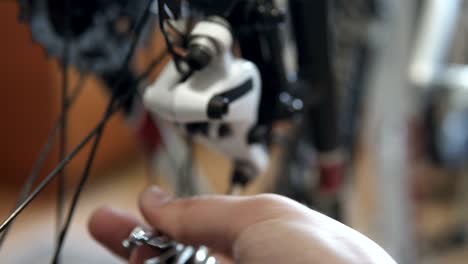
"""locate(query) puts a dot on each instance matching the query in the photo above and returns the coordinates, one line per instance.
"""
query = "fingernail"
(155, 196)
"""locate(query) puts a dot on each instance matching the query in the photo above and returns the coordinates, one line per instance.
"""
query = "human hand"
(257, 229)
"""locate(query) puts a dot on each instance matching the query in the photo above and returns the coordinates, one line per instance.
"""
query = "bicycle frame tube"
(386, 137)
(310, 23)
(264, 47)
(432, 43)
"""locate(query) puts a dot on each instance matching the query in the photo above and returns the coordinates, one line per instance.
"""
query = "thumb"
(214, 221)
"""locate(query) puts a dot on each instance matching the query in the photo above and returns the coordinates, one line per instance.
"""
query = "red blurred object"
(331, 177)
(148, 133)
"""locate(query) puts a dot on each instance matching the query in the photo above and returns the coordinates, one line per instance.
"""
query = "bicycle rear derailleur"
(214, 97)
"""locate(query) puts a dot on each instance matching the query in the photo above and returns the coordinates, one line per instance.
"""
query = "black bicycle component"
(354, 99)
(119, 82)
(256, 25)
(242, 174)
(100, 30)
(310, 21)
(214, 7)
(325, 36)
(218, 107)
(62, 181)
(198, 57)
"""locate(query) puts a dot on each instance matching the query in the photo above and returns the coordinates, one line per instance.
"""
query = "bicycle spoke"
(91, 157)
(77, 90)
(152, 65)
(46, 149)
(52, 175)
(25, 199)
(138, 30)
(61, 183)
(79, 189)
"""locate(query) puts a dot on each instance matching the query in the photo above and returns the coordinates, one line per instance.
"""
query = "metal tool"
(171, 252)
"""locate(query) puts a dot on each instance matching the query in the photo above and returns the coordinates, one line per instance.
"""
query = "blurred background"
(405, 183)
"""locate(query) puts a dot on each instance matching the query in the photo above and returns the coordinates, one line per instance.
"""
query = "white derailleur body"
(215, 98)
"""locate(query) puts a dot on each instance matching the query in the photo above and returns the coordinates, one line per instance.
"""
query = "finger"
(223, 259)
(110, 227)
(214, 221)
(141, 254)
